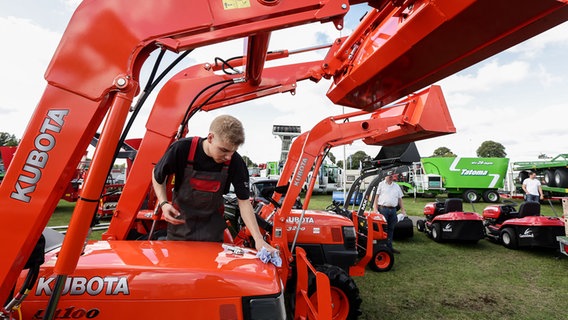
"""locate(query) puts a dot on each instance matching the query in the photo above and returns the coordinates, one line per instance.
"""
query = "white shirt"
(388, 194)
(532, 186)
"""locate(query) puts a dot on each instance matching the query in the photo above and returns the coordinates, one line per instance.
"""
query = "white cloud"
(486, 77)
(546, 77)
(532, 48)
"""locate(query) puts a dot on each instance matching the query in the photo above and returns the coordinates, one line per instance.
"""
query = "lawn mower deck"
(522, 228)
(447, 221)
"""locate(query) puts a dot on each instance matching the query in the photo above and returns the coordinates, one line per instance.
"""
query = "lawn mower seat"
(529, 208)
(453, 205)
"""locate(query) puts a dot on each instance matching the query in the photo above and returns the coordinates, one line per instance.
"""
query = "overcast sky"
(517, 98)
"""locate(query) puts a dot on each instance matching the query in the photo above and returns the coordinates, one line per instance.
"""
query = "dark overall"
(200, 202)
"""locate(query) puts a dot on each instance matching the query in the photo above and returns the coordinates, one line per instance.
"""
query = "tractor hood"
(137, 277)
(316, 226)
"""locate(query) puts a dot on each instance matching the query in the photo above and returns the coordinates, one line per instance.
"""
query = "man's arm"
(400, 195)
(401, 205)
(247, 213)
(170, 213)
(540, 191)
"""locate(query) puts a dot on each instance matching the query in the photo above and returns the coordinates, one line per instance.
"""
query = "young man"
(532, 188)
(203, 169)
(389, 196)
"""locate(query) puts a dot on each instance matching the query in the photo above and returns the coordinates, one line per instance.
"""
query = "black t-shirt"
(174, 161)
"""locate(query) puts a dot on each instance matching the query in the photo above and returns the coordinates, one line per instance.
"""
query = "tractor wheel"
(491, 196)
(345, 299)
(436, 232)
(509, 238)
(382, 261)
(523, 175)
(549, 178)
(420, 225)
(561, 178)
(470, 196)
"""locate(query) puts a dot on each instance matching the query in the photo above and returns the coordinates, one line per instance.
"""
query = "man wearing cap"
(389, 197)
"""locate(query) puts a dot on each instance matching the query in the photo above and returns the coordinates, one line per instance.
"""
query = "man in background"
(389, 197)
(532, 188)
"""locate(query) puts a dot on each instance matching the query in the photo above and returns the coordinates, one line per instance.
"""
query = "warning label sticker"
(236, 4)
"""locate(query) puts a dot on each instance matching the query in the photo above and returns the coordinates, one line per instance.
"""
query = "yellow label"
(236, 4)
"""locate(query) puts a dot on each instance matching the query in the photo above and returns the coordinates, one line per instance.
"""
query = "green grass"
(433, 280)
(62, 213)
(457, 281)
(415, 207)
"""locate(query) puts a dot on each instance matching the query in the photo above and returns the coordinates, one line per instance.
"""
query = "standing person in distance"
(203, 169)
(532, 188)
(389, 197)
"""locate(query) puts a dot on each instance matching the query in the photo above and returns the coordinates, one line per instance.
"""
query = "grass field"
(433, 280)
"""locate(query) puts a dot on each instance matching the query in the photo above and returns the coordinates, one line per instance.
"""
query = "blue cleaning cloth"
(266, 256)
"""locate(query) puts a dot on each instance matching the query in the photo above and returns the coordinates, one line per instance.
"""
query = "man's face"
(532, 175)
(220, 150)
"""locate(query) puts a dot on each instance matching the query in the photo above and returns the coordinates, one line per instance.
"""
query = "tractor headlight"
(349, 237)
(265, 307)
(349, 232)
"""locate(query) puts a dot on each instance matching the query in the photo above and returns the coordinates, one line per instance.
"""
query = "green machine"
(472, 179)
(552, 173)
(272, 168)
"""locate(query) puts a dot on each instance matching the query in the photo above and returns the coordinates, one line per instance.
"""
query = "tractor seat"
(530, 208)
(453, 205)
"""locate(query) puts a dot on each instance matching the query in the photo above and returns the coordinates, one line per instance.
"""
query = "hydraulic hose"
(54, 299)
(190, 111)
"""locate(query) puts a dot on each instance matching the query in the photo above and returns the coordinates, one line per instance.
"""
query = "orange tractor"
(399, 47)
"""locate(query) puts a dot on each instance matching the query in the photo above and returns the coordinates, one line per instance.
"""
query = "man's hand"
(171, 214)
(259, 243)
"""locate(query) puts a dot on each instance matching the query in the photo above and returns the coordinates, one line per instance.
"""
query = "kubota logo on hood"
(109, 285)
(297, 219)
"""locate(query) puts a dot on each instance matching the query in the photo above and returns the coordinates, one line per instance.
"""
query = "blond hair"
(229, 129)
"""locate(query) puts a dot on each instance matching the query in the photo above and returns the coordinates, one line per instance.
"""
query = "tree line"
(8, 140)
(487, 149)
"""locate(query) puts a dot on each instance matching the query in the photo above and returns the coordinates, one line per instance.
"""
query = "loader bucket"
(405, 153)
(422, 42)
(428, 117)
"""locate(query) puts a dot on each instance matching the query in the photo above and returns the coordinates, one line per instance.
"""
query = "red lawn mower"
(524, 227)
(446, 220)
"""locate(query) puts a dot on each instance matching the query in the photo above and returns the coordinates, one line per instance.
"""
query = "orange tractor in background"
(398, 48)
(6, 154)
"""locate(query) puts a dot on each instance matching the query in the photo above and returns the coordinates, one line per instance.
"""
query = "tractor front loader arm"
(419, 116)
(93, 75)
